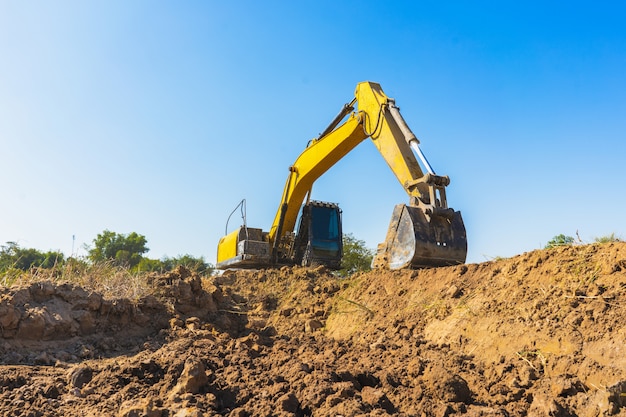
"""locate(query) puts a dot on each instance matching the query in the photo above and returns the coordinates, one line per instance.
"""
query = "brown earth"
(539, 334)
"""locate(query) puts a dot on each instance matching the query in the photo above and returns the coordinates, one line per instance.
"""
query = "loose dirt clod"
(539, 334)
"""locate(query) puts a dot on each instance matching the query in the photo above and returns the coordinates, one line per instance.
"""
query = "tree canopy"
(15, 257)
(122, 250)
(356, 256)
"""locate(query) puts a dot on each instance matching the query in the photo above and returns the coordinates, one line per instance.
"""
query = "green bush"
(607, 239)
(166, 264)
(559, 240)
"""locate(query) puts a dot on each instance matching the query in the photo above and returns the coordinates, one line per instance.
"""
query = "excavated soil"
(539, 334)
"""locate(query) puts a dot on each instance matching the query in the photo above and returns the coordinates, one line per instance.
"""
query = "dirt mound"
(540, 334)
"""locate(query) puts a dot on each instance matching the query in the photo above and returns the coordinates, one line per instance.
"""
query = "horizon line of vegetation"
(113, 252)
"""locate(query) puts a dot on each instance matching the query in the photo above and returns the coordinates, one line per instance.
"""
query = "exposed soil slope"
(540, 334)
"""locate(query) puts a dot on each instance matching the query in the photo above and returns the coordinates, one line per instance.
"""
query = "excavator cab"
(319, 238)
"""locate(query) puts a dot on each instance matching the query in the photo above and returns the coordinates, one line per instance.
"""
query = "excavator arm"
(319, 156)
(423, 233)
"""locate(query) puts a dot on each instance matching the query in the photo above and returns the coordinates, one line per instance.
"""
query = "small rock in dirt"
(176, 323)
(9, 318)
(376, 398)
(378, 345)
(449, 387)
(52, 391)
(80, 376)
(332, 400)
(188, 412)
(41, 291)
(344, 389)
(86, 321)
(286, 312)
(305, 367)
(33, 325)
(139, 408)
(193, 323)
(94, 301)
(544, 405)
(601, 401)
(238, 412)
(454, 291)
(192, 378)
(257, 323)
(288, 402)
(312, 325)
(526, 375)
(564, 385)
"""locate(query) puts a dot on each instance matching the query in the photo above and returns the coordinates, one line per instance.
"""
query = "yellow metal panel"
(227, 246)
(386, 135)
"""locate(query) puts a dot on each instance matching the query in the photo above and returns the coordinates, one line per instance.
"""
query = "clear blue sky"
(158, 117)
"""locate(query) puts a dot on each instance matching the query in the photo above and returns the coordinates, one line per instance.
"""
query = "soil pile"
(540, 334)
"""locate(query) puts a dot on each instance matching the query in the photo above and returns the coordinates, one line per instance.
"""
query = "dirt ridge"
(539, 334)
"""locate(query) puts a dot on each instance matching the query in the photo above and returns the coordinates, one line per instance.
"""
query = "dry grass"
(109, 280)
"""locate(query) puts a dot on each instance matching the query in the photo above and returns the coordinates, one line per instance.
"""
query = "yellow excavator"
(423, 233)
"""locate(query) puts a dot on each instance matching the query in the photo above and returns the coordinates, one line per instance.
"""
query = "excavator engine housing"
(243, 248)
(318, 242)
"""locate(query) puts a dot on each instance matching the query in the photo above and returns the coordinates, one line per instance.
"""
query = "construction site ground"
(539, 334)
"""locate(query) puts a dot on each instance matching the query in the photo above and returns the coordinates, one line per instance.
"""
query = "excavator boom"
(423, 233)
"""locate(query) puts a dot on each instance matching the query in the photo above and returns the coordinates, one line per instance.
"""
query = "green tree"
(356, 256)
(559, 240)
(122, 250)
(13, 256)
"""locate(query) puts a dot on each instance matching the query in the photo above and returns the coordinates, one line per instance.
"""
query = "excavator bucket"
(417, 240)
